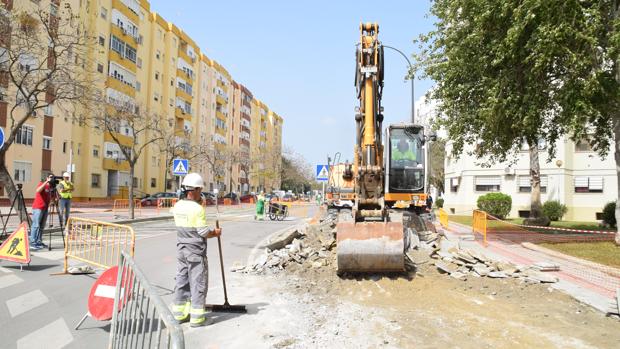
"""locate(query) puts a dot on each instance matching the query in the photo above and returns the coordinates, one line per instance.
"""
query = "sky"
(299, 58)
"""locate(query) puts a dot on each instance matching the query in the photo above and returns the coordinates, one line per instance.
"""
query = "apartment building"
(150, 63)
(576, 176)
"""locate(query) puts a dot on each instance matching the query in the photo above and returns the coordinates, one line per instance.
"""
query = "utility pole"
(412, 80)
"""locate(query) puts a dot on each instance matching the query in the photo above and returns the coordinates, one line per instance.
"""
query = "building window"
(24, 135)
(139, 63)
(96, 151)
(583, 144)
(153, 182)
(487, 183)
(22, 171)
(156, 75)
(104, 13)
(454, 184)
(525, 184)
(585, 184)
(135, 182)
(47, 143)
(95, 180)
(101, 41)
(157, 54)
(100, 67)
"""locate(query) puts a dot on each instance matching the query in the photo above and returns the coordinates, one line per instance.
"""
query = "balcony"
(221, 84)
(182, 114)
(221, 115)
(183, 54)
(115, 164)
(120, 86)
(220, 131)
(184, 95)
(126, 63)
(182, 74)
(132, 16)
(244, 142)
(122, 139)
(221, 100)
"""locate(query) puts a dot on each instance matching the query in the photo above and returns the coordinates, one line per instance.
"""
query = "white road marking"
(52, 336)
(5, 270)
(9, 280)
(25, 302)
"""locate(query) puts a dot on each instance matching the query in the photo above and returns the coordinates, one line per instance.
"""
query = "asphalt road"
(41, 310)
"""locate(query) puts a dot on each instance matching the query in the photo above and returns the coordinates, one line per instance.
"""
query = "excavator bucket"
(370, 247)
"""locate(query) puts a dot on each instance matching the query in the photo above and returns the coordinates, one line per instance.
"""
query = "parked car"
(208, 198)
(152, 199)
(288, 197)
(246, 198)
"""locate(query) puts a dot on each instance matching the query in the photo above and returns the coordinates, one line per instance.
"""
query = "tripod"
(21, 207)
(51, 210)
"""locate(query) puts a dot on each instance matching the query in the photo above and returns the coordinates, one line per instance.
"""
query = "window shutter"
(581, 182)
(488, 180)
(596, 183)
(524, 181)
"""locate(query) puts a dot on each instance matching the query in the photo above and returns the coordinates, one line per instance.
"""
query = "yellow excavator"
(387, 179)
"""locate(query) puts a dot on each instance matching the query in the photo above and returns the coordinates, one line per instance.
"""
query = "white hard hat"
(66, 174)
(193, 180)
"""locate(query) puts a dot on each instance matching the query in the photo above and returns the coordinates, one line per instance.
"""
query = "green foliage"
(437, 156)
(439, 203)
(513, 70)
(554, 210)
(609, 214)
(495, 204)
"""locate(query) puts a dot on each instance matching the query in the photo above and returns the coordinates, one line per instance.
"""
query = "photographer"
(65, 189)
(39, 213)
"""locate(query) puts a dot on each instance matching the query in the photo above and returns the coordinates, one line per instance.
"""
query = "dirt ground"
(426, 309)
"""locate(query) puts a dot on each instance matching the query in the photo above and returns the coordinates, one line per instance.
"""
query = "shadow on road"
(34, 267)
(221, 317)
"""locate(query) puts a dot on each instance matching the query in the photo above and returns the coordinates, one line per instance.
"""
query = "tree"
(437, 156)
(174, 144)
(511, 71)
(132, 129)
(296, 173)
(42, 65)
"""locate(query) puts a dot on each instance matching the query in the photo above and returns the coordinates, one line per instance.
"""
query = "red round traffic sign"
(101, 298)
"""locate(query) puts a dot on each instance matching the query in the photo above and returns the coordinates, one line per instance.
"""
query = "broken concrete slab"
(282, 239)
(546, 266)
(445, 267)
(540, 276)
(497, 274)
(418, 257)
(459, 275)
(466, 257)
(481, 269)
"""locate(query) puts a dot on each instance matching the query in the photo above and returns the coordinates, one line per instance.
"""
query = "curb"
(615, 272)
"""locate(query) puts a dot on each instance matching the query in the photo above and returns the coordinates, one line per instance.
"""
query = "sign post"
(322, 175)
(180, 167)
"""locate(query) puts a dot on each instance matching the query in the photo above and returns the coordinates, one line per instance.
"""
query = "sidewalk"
(586, 284)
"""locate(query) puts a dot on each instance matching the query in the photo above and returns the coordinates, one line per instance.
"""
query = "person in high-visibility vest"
(192, 265)
(402, 151)
(65, 190)
(260, 206)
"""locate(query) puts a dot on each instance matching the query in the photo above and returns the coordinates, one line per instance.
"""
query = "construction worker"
(260, 206)
(192, 267)
(65, 189)
(402, 151)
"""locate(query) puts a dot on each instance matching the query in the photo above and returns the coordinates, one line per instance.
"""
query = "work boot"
(180, 312)
(197, 317)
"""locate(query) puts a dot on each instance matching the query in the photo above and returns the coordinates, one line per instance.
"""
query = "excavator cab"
(406, 167)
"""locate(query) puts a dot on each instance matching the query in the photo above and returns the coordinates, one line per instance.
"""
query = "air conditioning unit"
(509, 171)
(124, 31)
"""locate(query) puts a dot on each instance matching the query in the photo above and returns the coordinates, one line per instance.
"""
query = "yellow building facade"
(142, 59)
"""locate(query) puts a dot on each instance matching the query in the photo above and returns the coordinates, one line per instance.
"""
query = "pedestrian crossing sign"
(322, 173)
(180, 167)
(15, 248)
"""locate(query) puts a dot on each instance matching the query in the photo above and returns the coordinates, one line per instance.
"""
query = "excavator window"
(406, 161)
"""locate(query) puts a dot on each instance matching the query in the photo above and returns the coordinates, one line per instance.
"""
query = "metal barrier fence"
(443, 218)
(97, 243)
(140, 317)
(479, 224)
(123, 205)
(167, 203)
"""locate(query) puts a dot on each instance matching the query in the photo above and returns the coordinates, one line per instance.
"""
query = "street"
(41, 310)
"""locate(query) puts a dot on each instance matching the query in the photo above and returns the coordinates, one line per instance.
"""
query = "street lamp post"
(412, 78)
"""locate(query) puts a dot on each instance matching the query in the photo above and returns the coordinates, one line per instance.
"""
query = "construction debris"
(460, 263)
(310, 247)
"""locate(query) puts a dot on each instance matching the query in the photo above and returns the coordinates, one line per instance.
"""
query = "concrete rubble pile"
(307, 247)
(461, 263)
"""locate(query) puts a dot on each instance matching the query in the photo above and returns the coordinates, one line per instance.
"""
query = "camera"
(54, 180)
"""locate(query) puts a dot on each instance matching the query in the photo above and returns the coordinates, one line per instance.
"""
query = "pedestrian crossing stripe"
(180, 168)
(16, 247)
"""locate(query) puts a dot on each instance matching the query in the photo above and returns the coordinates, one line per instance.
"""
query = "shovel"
(226, 307)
